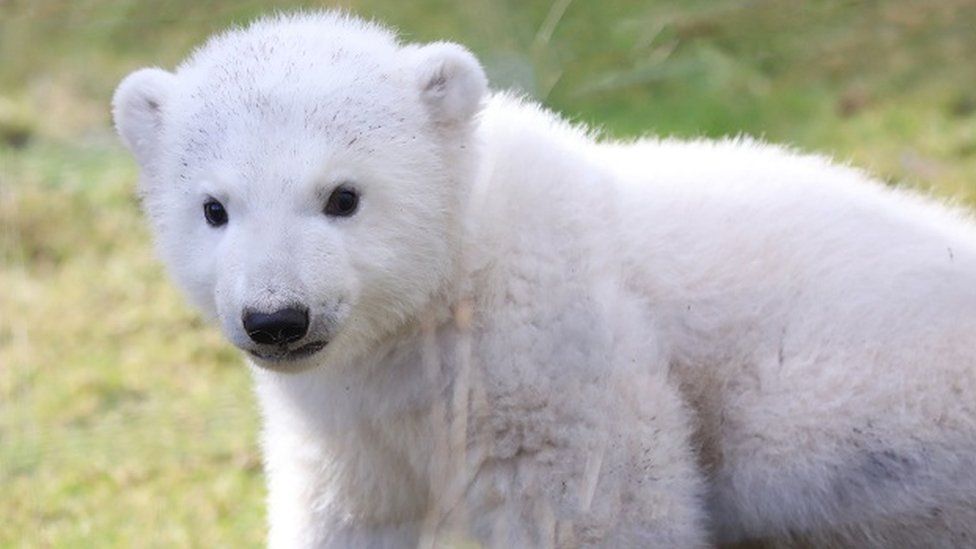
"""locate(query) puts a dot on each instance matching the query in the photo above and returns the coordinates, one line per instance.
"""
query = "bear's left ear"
(451, 81)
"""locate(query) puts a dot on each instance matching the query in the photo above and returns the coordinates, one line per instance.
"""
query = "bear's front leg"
(318, 501)
(620, 473)
(344, 488)
(293, 520)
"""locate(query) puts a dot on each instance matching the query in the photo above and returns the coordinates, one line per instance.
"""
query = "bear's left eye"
(214, 213)
(342, 202)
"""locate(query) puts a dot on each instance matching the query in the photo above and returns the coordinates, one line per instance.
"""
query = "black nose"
(279, 327)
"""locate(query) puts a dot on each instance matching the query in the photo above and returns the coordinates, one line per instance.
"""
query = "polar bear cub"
(468, 321)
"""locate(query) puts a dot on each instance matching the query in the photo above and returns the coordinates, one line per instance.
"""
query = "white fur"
(540, 339)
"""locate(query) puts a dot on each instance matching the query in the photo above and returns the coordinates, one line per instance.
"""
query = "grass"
(126, 420)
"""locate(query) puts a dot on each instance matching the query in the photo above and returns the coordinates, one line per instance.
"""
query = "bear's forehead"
(288, 67)
(286, 87)
(325, 104)
(302, 73)
(232, 118)
(255, 78)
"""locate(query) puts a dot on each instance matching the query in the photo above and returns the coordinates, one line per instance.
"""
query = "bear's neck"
(371, 426)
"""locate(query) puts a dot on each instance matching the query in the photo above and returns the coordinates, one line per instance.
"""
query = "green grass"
(125, 420)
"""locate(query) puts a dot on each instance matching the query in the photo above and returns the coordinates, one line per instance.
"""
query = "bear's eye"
(214, 212)
(342, 202)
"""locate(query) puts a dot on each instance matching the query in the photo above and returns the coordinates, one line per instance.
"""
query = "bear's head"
(304, 178)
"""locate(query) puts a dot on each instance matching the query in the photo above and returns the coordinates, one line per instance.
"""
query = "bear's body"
(537, 339)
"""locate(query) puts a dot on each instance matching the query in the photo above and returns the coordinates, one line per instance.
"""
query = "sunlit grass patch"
(121, 412)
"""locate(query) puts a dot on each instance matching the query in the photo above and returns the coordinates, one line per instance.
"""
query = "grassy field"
(125, 421)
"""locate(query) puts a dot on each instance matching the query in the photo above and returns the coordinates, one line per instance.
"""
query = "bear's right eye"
(342, 202)
(215, 213)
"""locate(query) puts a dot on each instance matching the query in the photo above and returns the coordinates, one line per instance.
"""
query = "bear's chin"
(289, 361)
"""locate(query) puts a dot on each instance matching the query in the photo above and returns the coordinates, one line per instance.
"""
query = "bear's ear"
(451, 81)
(137, 108)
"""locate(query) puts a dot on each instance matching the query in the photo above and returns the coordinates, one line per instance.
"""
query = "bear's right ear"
(137, 108)
(451, 81)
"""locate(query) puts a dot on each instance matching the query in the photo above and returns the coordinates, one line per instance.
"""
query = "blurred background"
(125, 420)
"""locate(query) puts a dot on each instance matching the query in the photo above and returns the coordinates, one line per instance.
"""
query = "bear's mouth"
(283, 354)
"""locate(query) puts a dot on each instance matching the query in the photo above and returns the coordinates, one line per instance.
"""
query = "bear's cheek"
(191, 262)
